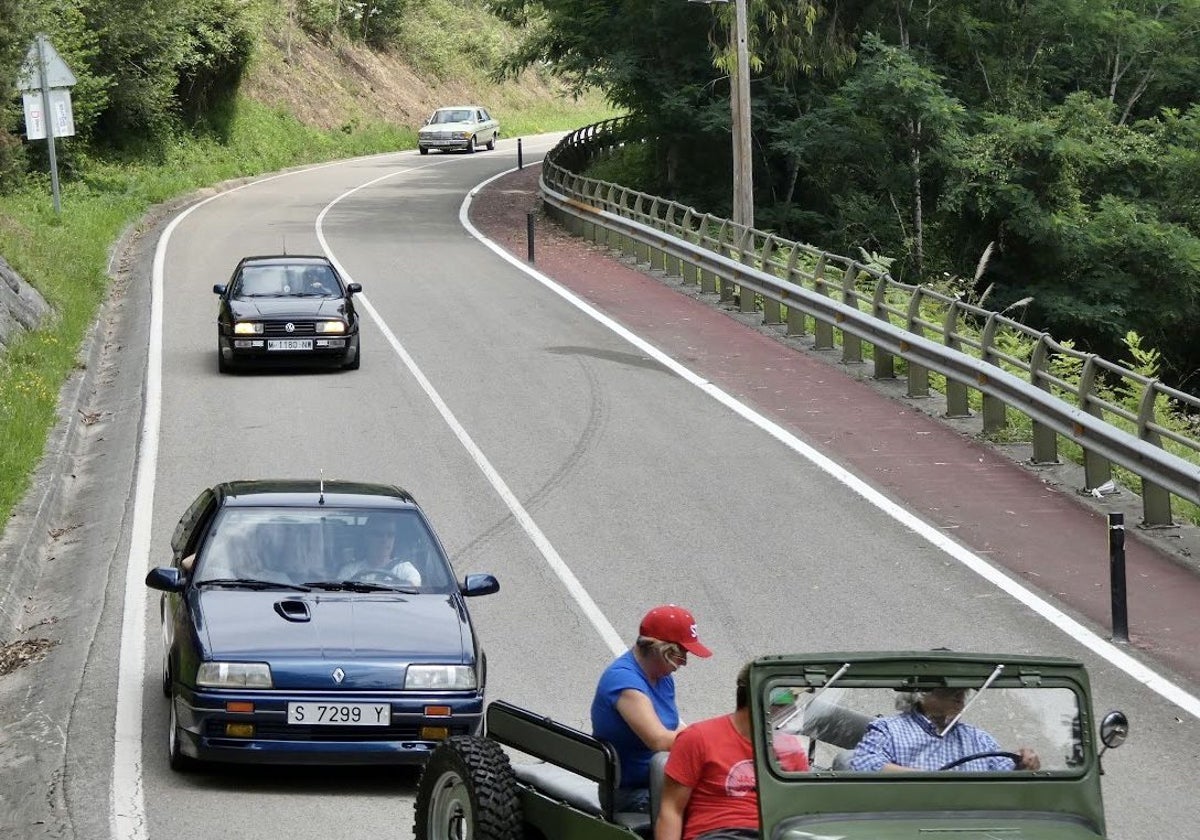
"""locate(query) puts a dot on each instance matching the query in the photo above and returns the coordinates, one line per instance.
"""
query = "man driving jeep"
(918, 738)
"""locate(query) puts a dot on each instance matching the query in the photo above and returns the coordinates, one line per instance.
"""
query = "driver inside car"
(378, 560)
(918, 738)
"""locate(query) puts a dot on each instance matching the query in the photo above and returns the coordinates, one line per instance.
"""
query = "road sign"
(58, 74)
(62, 118)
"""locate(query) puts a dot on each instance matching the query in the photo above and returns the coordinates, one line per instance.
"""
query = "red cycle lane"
(979, 496)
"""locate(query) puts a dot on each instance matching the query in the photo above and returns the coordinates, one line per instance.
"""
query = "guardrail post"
(772, 311)
(708, 280)
(885, 363)
(918, 376)
(1156, 502)
(725, 247)
(746, 298)
(1045, 439)
(1116, 577)
(957, 404)
(995, 412)
(851, 344)
(822, 332)
(1096, 468)
(672, 265)
(795, 315)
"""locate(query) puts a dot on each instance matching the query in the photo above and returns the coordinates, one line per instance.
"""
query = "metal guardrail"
(1064, 392)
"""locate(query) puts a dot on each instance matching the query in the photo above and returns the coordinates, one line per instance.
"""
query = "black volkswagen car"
(314, 622)
(286, 309)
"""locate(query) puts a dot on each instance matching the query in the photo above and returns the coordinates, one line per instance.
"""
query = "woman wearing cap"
(634, 706)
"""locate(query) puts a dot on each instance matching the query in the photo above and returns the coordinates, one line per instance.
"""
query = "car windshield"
(450, 115)
(277, 280)
(863, 726)
(334, 549)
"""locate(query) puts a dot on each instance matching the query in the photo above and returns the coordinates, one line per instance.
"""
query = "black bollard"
(529, 233)
(1116, 571)
(520, 164)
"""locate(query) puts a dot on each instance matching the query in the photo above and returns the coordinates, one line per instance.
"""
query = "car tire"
(491, 144)
(166, 674)
(471, 146)
(357, 360)
(423, 149)
(467, 789)
(179, 762)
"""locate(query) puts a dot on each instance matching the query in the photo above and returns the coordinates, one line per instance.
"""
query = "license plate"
(289, 344)
(340, 714)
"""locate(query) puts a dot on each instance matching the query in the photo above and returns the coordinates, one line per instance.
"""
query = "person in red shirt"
(710, 791)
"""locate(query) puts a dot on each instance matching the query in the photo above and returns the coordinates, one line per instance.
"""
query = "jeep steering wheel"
(1016, 759)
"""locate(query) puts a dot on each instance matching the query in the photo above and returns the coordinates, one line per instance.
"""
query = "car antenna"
(321, 499)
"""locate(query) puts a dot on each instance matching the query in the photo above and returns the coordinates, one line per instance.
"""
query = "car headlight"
(461, 135)
(331, 327)
(247, 328)
(234, 675)
(446, 677)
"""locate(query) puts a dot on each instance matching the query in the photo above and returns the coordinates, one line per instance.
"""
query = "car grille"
(440, 135)
(292, 732)
(299, 328)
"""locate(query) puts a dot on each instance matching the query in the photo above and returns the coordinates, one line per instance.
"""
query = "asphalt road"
(591, 478)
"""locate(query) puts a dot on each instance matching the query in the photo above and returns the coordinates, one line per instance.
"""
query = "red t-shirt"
(714, 760)
(790, 751)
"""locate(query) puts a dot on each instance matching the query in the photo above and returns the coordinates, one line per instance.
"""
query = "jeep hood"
(923, 827)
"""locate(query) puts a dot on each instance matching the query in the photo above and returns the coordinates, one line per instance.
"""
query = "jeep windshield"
(927, 724)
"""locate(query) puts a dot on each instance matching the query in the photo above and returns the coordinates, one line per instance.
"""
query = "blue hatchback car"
(310, 622)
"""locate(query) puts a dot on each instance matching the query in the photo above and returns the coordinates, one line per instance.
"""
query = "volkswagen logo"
(289, 326)
(338, 673)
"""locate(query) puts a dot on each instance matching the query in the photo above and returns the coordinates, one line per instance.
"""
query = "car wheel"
(491, 144)
(467, 789)
(222, 365)
(166, 674)
(357, 360)
(179, 762)
(423, 149)
(471, 147)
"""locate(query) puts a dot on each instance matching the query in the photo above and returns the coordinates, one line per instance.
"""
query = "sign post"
(44, 84)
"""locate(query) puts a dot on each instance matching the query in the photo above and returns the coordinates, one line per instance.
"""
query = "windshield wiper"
(253, 583)
(359, 586)
(978, 694)
(796, 708)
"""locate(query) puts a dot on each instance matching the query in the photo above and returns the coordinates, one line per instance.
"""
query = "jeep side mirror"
(1114, 729)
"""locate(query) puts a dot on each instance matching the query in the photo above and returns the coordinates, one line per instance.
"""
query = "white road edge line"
(127, 814)
(1099, 646)
(576, 589)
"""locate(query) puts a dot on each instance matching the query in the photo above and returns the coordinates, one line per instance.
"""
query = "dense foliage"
(1066, 132)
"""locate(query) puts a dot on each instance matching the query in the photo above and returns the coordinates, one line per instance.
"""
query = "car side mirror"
(166, 579)
(353, 288)
(218, 288)
(474, 585)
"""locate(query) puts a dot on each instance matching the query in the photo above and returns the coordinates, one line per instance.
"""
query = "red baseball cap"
(671, 623)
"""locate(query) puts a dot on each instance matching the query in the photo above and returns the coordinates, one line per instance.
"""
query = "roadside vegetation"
(176, 95)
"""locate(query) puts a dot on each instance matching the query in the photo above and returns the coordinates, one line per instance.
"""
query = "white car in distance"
(458, 127)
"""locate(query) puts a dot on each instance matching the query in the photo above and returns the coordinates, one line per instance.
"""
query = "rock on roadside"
(21, 306)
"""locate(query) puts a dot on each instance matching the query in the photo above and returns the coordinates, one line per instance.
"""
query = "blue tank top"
(608, 725)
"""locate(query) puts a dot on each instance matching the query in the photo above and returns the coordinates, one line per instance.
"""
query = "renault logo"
(289, 326)
(338, 673)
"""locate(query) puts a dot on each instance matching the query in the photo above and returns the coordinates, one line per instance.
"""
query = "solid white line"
(573, 586)
(127, 816)
(1100, 646)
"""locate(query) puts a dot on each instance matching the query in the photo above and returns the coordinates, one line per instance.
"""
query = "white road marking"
(1101, 647)
(541, 542)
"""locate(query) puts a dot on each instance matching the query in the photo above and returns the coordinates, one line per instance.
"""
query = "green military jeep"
(1012, 706)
